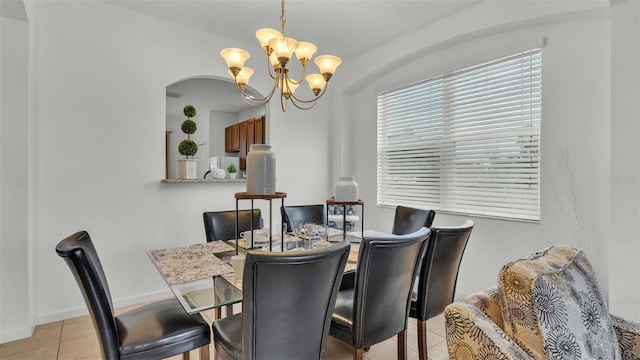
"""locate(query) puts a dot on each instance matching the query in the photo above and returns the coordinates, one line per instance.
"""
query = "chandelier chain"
(283, 19)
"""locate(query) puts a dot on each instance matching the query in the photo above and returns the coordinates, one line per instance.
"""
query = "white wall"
(218, 121)
(576, 129)
(625, 167)
(15, 310)
(100, 97)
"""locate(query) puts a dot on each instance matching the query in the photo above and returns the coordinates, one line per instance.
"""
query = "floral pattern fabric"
(628, 334)
(573, 316)
(515, 284)
(547, 306)
(474, 332)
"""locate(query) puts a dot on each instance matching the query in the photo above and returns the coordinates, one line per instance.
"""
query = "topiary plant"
(188, 147)
(231, 168)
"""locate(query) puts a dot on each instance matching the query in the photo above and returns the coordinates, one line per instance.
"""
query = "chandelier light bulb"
(274, 60)
(316, 83)
(290, 88)
(243, 76)
(283, 48)
(305, 52)
(235, 58)
(327, 65)
(266, 34)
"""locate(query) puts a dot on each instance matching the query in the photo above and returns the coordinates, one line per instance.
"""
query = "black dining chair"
(154, 331)
(286, 307)
(377, 307)
(408, 220)
(435, 286)
(293, 215)
(221, 225)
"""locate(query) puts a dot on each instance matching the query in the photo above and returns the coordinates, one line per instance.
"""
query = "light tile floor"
(75, 338)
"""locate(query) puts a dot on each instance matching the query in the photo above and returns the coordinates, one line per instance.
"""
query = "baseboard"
(17, 334)
(80, 311)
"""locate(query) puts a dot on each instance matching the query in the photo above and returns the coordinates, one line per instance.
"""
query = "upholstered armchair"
(547, 306)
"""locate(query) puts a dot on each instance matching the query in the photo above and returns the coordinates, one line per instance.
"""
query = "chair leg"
(229, 310)
(402, 345)
(422, 339)
(186, 356)
(358, 354)
(204, 352)
(217, 313)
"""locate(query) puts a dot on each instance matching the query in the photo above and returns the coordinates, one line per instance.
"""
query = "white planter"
(188, 169)
(233, 175)
(346, 189)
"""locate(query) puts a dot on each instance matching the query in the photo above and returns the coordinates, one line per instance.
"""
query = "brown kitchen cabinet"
(259, 134)
(243, 145)
(251, 133)
(239, 137)
(232, 138)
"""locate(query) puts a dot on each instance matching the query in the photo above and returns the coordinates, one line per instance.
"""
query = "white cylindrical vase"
(261, 170)
(346, 189)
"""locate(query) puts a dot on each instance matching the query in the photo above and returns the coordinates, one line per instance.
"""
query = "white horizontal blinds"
(409, 127)
(466, 141)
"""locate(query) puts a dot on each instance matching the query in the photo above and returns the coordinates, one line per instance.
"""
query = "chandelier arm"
(258, 101)
(269, 66)
(256, 104)
(301, 76)
(312, 100)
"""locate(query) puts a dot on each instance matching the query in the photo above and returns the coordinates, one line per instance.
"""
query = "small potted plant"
(231, 169)
(188, 168)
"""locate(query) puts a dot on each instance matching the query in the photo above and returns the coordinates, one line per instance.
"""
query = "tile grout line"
(60, 339)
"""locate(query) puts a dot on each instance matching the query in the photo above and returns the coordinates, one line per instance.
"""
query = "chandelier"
(278, 50)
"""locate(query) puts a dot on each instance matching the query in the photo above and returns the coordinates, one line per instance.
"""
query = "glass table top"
(219, 287)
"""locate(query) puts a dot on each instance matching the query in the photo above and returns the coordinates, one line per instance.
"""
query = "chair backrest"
(408, 220)
(386, 268)
(221, 225)
(436, 285)
(81, 256)
(293, 215)
(288, 300)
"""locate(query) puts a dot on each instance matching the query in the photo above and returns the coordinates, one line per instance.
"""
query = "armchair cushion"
(473, 331)
(555, 308)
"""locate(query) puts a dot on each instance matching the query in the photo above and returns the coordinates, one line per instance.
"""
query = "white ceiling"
(211, 94)
(344, 28)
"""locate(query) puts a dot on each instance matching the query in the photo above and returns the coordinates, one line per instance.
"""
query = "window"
(465, 142)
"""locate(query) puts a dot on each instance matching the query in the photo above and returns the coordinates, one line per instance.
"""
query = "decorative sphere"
(189, 111)
(188, 147)
(189, 126)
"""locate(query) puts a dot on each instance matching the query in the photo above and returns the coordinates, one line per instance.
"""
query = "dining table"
(201, 276)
